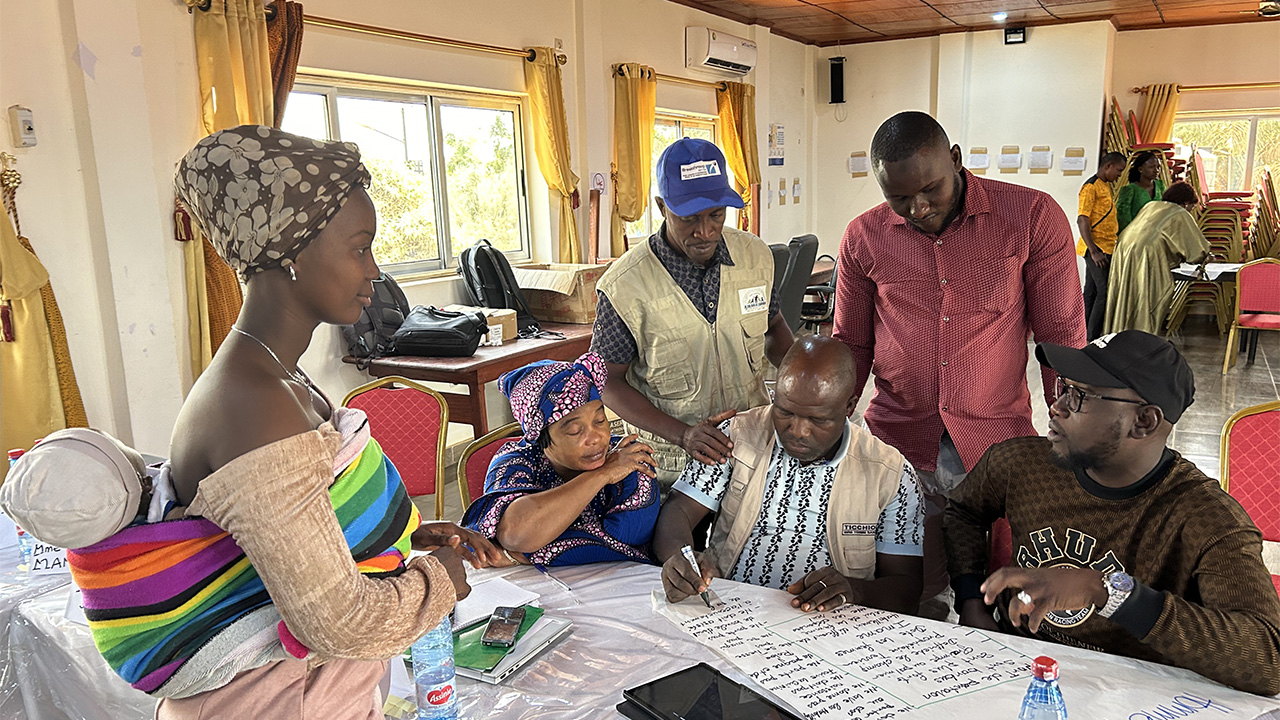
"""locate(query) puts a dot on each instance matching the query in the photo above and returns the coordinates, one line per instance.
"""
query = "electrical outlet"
(22, 126)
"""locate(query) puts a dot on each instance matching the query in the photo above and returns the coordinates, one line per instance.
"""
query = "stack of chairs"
(1219, 297)
(1265, 236)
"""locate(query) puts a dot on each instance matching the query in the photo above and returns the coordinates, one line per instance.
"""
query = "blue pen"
(539, 567)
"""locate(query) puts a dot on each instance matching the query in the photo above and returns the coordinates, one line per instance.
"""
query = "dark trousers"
(1095, 296)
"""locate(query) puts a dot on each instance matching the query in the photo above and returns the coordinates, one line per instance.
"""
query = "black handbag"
(433, 332)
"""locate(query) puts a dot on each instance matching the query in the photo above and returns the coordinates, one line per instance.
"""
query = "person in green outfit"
(1144, 186)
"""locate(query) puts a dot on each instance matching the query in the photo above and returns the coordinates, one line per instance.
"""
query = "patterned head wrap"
(261, 195)
(545, 391)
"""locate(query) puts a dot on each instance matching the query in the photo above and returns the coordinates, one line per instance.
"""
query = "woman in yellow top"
(1144, 186)
(1098, 230)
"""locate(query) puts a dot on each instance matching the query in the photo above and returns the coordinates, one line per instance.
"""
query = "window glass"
(480, 170)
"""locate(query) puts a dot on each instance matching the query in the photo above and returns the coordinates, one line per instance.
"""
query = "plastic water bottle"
(433, 675)
(1043, 700)
(25, 542)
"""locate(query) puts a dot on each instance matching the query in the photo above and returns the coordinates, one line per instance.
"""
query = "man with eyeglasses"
(1120, 544)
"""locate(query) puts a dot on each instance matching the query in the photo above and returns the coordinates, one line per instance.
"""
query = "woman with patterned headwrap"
(567, 492)
(286, 585)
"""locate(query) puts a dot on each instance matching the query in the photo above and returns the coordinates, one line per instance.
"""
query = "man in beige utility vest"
(688, 321)
(810, 502)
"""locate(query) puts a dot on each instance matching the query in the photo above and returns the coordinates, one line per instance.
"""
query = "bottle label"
(440, 694)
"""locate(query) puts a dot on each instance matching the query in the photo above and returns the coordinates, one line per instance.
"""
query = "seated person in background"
(567, 493)
(1164, 235)
(1120, 544)
(809, 501)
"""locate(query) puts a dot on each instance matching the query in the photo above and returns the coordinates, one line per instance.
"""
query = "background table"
(15, 588)
(485, 366)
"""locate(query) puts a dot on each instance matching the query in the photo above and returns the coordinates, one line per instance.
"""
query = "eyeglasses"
(1076, 395)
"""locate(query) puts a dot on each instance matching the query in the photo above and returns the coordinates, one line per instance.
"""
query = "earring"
(293, 274)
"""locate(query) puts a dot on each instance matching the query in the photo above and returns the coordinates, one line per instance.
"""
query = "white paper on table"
(1010, 160)
(401, 683)
(75, 607)
(1073, 163)
(47, 559)
(1040, 160)
(486, 596)
(978, 161)
(8, 533)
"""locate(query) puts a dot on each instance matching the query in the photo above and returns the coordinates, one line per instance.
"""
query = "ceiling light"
(1000, 16)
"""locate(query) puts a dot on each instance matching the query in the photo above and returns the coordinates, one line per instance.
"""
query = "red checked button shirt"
(943, 321)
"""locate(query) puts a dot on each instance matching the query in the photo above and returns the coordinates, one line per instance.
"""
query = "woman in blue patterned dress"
(567, 492)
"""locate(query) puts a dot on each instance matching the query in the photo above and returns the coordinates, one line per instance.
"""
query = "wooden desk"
(485, 366)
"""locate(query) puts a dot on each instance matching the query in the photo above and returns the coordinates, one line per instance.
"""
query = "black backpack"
(370, 338)
(490, 283)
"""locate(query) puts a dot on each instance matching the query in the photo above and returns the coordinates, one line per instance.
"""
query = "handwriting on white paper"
(852, 662)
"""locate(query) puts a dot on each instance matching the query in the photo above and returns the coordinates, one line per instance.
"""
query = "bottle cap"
(1045, 668)
(16, 453)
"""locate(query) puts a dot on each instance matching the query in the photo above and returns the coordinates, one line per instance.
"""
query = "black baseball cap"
(1150, 366)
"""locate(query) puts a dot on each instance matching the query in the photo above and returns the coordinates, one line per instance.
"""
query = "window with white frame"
(1234, 147)
(447, 168)
(668, 128)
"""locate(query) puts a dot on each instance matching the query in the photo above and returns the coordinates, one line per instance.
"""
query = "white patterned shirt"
(789, 540)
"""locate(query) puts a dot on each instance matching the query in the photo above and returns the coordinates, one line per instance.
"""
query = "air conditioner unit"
(711, 50)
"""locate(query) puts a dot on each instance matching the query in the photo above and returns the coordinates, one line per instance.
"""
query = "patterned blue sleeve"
(901, 530)
(706, 484)
(611, 338)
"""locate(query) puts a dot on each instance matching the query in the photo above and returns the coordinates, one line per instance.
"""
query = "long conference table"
(618, 640)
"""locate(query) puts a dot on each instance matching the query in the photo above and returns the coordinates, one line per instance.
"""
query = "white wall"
(1211, 55)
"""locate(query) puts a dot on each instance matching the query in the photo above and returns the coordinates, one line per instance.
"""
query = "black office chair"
(804, 251)
(781, 261)
(816, 312)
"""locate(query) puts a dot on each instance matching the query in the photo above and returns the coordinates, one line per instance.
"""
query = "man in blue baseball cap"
(688, 321)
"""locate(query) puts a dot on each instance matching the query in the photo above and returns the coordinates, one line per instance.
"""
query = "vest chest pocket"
(670, 375)
(859, 555)
(754, 327)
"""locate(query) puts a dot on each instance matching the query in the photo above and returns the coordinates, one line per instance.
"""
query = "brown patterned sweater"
(1203, 601)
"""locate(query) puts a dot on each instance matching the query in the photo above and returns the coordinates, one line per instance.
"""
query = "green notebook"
(469, 652)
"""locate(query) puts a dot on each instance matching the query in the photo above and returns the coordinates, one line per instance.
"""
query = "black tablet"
(702, 693)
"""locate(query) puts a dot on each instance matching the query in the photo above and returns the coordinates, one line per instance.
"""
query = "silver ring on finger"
(822, 584)
(842, 600)
(1024, 597)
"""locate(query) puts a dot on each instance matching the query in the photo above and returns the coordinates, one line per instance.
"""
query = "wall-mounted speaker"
(837, 80)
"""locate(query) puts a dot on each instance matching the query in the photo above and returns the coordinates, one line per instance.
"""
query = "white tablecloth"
(15, 587)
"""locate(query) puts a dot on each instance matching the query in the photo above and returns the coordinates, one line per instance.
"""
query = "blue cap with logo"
(693, 176)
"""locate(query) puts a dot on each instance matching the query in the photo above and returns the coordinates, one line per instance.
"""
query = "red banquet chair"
(1250, 468)
(1257, 305)
(473, 465)
(409, 421)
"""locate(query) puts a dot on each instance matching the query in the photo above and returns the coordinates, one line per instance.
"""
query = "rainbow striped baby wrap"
(176, 608)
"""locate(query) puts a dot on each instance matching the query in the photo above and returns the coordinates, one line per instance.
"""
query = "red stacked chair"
(1251, 472)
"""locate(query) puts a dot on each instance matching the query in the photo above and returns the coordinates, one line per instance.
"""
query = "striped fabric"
(163, 595)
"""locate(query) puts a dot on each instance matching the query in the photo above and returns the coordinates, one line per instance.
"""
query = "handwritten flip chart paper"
(871, 664)
(47, 559)
(75, 607)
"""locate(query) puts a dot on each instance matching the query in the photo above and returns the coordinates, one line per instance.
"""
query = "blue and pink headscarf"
(545, 391)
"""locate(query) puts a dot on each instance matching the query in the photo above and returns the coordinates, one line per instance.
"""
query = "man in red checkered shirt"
(937, 292)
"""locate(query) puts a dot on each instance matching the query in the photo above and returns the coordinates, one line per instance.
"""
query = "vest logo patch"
(753, 299)
(858, 528)
(701, 169)
(1076, 550)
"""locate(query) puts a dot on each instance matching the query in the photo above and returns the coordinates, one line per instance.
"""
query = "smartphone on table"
(504, 625)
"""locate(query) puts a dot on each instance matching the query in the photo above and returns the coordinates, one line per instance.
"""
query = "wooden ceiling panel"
(829, 22)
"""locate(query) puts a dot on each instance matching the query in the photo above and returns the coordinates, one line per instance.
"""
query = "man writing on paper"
(1120, 544)
(1098, 230)
(937, 291)
(809, 502)
(685, 320)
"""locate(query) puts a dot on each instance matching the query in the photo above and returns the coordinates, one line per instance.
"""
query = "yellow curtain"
(1156, 125)
(635, 97)
(551, 143)
(234, 67)
(736, 106)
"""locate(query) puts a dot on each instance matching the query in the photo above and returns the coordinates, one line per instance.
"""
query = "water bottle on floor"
(433, 675)
(1043, 700)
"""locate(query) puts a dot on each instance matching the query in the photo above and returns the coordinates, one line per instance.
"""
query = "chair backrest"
(1251, 464)
(781, 261)
(1258, 285)
(791, 296)
(473, 464)
(408, 420)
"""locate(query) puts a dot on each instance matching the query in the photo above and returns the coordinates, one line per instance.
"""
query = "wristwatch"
(1119, 586)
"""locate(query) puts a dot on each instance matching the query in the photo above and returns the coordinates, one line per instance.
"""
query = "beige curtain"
(635, 97)
(551, 143)
(736, 106)
(1156, 125)
(234, 67)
